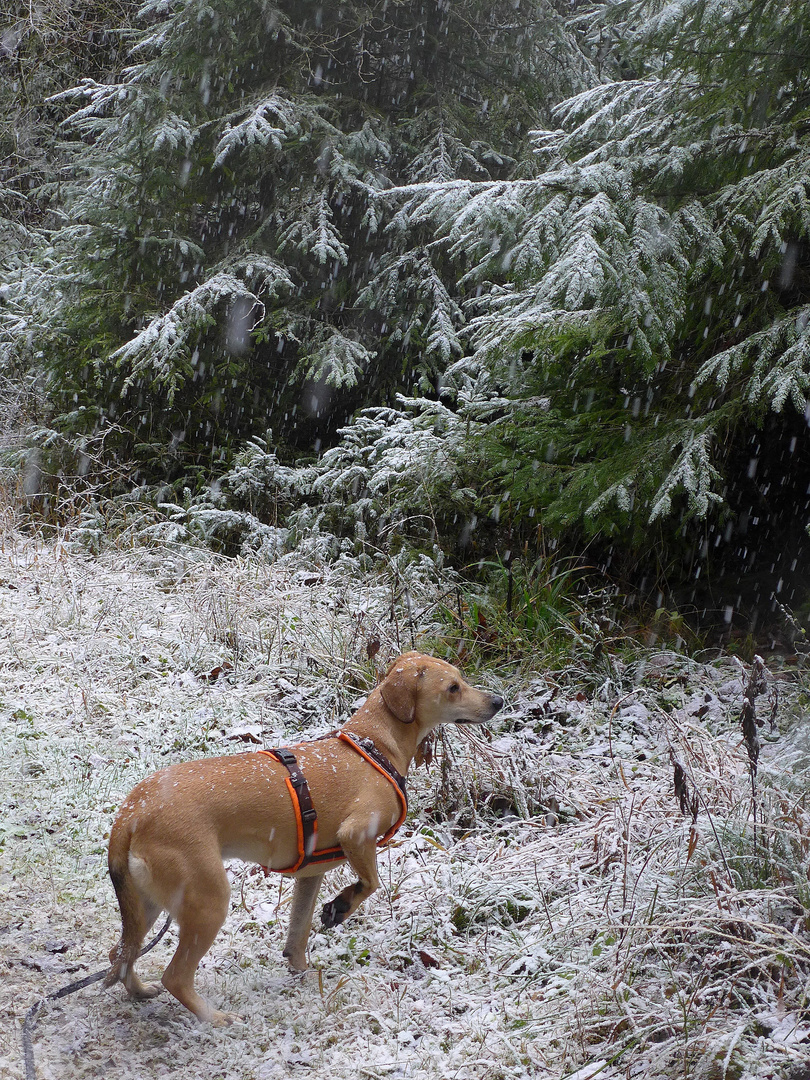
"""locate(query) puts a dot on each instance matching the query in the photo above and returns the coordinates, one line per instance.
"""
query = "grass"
(546, 909)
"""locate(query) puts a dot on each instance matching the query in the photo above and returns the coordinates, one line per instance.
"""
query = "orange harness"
(306, 819)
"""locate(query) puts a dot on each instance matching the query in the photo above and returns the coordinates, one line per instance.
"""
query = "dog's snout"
(496, 701)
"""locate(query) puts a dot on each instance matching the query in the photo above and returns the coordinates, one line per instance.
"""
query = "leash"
(32, 1015)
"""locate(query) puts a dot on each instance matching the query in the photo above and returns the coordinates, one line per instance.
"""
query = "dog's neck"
(396, 740)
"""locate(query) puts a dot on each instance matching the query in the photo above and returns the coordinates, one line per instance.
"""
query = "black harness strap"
(368, 747)
(306, 817)
(305, 814)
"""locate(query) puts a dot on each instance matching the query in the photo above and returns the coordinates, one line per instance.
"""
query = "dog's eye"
(453, 688)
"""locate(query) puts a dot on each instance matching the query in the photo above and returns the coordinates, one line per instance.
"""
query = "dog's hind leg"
(199, 916)
(303, 905)
(361, 854)
(151, 912)
(138, 913)
(136, 988)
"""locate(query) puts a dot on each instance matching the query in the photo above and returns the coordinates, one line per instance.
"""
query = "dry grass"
(548, 909)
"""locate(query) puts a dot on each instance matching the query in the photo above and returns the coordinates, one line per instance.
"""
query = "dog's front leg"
(361, 854)
(303, 905)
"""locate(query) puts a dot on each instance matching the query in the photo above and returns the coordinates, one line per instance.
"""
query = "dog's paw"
(333, 913)
(296, 961)
(223, 1019)
(143, 991)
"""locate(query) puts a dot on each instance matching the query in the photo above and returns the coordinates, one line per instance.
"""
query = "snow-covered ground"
(547, 911)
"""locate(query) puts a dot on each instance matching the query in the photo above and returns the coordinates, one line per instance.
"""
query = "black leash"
(32, 1015)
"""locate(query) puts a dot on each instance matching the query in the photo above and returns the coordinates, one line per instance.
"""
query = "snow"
(546, 911)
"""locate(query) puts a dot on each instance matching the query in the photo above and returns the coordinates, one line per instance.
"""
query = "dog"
(172, 833)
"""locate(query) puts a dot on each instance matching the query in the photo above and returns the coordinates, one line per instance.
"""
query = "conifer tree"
(43, 47)
(648, 275)
(225, 264)
(576, 247)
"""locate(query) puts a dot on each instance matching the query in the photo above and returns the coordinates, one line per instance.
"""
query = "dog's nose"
(497, 702)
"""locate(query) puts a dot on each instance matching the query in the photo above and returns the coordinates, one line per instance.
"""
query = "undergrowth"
(612, 877)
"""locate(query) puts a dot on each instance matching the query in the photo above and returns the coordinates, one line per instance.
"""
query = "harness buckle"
(286, 757)
(309, 815)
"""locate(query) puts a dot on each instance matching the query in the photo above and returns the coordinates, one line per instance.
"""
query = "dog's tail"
(133, 914)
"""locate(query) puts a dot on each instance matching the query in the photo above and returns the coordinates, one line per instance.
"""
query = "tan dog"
(175, 828)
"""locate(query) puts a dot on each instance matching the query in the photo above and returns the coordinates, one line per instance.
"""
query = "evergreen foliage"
(223, 262)
(575, 245)
(649, 274)
(42, 46)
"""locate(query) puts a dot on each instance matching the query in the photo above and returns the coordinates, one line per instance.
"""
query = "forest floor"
(547, 911)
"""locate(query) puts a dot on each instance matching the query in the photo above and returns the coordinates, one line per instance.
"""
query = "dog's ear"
(399, 660)
(399, 687)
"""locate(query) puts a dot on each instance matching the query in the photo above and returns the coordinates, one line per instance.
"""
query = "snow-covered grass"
(546, 911)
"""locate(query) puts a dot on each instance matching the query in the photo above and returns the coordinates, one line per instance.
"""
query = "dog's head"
(423, 690)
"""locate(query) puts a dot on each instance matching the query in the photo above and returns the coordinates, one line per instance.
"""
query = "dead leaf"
(214, 673)
(243, 735)
(424, 752)
(693, 841)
